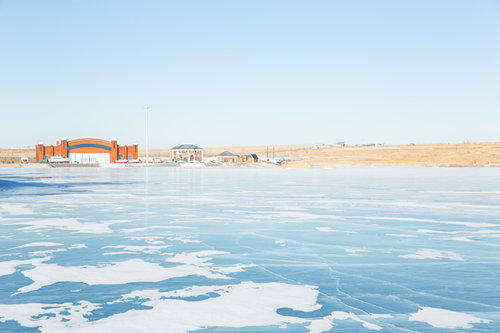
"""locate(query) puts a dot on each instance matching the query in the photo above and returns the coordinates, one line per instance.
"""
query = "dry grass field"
(12, 157)
(443, 154)
(453, 154)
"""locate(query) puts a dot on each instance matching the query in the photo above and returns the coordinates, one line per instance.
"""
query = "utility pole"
(147, 108)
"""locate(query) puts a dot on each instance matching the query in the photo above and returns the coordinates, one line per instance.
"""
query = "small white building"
(187, 153)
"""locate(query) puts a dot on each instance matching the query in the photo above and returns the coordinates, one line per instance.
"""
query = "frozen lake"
(250, 250)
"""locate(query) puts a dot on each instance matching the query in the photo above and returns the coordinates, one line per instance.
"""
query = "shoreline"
(473, 154)
(302, 165)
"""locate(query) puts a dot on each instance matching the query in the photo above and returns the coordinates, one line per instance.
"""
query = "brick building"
(88, 151)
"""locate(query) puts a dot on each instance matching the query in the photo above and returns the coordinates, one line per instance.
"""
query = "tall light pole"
(146, 108)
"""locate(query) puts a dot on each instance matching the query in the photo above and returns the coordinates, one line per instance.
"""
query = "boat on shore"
(59, 159)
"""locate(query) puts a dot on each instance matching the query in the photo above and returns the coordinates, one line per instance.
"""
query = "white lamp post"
(147, 108)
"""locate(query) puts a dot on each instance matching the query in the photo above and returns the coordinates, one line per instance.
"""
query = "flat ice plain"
(250, 250)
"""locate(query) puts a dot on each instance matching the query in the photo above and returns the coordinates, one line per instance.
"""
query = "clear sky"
(250, 72)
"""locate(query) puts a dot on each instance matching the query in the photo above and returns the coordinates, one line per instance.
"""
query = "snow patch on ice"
(429, 231)
(195, 258)
(445, 318)
(201, 259)
(45, 253)
(36, 244)
(118, 253)
(459, 239)
(411, 219)
(401, 235)
(9, 267)
(150, 249)
(67, 224)
(326, 323)
(328, 229)
(355, 251)
(247, 304)
(48, 317)
(183, 239)
(380, 315)
(78, 246)
(433, 254)
(134, 230)
(134, 270)
(15, 209)
(153, 240)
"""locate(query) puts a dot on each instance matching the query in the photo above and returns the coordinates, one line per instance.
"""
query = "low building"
(227, 157)
(251, 158)
(187, 153)
(87, 151)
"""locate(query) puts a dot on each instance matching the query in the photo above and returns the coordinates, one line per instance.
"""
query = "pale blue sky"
(250, 72)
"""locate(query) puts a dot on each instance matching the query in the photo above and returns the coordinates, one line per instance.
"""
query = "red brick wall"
(62, 149)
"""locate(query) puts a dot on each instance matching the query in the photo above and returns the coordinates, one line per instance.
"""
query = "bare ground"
(441, 154)
(303, 156)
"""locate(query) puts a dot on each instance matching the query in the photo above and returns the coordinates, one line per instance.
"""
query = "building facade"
(249, 158)
(187, 153)
(88, 151)
(227, 157)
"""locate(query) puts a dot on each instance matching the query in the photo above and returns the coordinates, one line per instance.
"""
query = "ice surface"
(250, 249)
